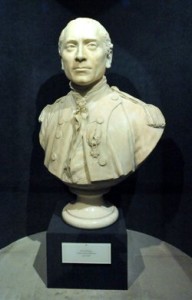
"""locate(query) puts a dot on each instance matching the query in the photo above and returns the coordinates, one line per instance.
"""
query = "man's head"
(86, 51)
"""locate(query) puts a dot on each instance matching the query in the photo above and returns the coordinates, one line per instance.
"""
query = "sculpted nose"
(80, 54)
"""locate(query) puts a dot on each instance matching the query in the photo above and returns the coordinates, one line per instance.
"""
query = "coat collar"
(99, 90)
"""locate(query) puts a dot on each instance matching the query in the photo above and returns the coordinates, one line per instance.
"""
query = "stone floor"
(156, 270)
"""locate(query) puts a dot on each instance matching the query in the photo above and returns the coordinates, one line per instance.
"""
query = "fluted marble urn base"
(90, 211)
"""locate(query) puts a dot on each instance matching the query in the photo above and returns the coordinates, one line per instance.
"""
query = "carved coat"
(102, 135)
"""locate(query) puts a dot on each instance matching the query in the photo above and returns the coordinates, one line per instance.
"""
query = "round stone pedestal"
(90, 211)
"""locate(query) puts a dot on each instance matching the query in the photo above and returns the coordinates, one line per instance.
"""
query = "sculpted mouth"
(82, 68)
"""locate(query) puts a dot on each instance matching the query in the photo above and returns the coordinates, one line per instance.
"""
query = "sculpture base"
(86, 274)
(90, 212)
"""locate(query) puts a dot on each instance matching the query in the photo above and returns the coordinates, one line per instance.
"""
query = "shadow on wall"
(173, 179)
(87, 8)
(156, 191)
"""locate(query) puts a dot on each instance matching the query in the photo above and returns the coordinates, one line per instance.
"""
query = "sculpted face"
(84, 55)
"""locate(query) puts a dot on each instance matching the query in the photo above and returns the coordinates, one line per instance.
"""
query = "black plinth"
(86, 276)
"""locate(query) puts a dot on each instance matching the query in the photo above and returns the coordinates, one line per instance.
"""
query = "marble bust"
(96, 135)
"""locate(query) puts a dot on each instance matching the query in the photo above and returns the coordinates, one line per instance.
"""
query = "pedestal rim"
(110, 216)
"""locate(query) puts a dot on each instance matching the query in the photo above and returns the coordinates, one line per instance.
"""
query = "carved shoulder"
(49, 109)
(154, 116)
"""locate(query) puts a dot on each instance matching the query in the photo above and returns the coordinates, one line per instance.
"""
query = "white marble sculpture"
(96, 135)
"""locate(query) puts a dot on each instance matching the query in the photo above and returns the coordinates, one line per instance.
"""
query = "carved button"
(115, 97)
(53, 156)
(58, 134)
(75, 179)
(100, 120)
(102, 161)
(60, 122)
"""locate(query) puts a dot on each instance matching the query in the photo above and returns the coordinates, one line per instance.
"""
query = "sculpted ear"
(109, 60)
(62, 65)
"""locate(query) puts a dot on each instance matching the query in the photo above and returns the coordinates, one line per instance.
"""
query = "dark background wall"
(152, 60)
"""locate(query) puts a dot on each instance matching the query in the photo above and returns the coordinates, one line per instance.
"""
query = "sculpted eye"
(92, 45)
(70, 47)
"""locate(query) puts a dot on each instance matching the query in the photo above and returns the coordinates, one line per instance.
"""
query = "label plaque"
(86, 253)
